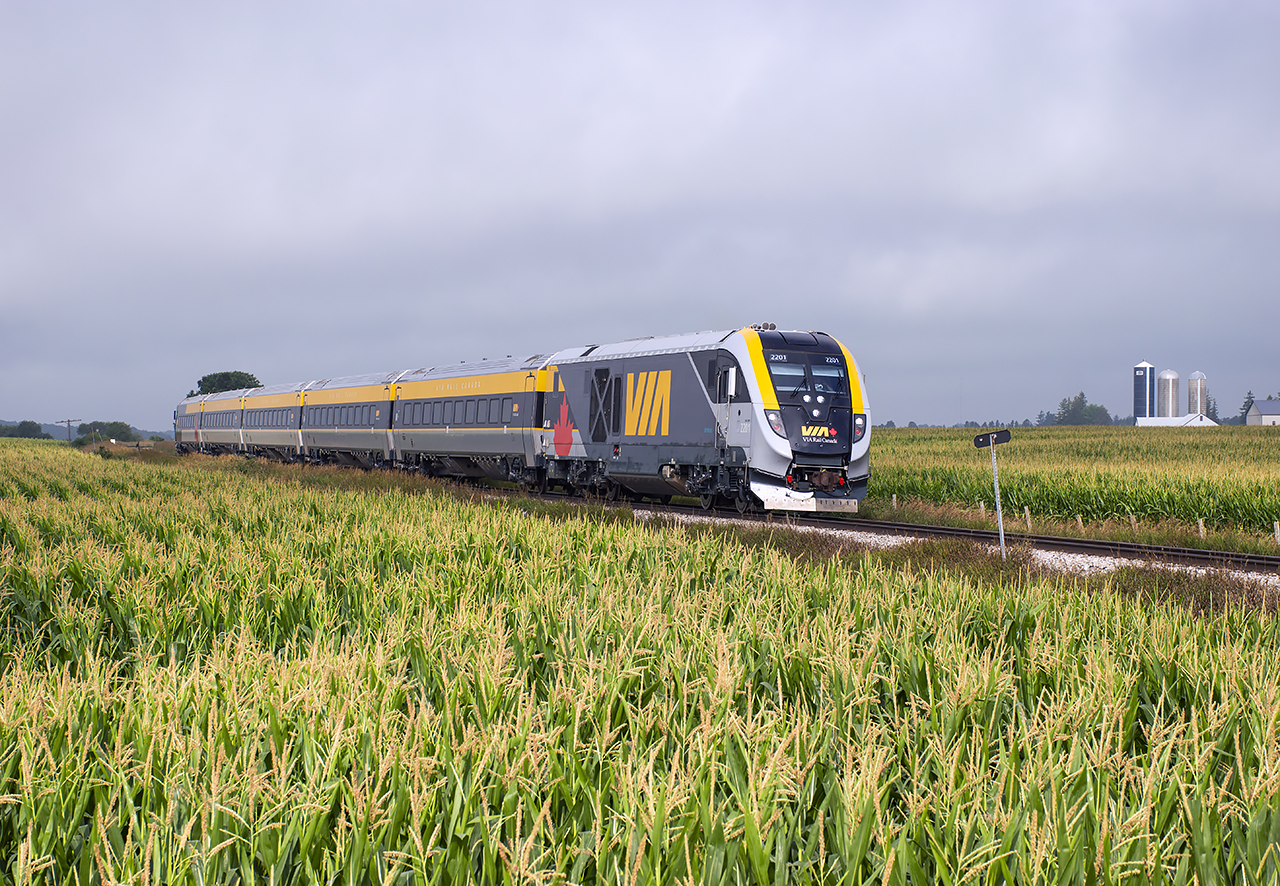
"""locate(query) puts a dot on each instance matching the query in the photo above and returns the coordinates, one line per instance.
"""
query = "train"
(756, 418)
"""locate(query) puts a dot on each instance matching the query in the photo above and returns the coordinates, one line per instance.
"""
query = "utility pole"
(67, 422)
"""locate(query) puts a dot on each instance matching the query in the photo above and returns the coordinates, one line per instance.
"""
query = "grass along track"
(1167, 479)
(212, 670)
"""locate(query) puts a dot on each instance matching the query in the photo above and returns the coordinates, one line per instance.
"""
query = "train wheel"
(743, 505)
(611, 494)
(664, 499)
(707, 501)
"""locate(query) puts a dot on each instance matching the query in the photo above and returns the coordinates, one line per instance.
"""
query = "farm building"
(1178, 421)
(1263, 412)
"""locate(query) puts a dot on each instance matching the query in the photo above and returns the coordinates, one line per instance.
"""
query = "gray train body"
(756, 417)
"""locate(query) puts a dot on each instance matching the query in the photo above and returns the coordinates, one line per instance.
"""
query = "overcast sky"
(994, 205)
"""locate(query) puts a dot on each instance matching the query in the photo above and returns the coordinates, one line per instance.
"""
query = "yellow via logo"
(648, 403)
(816, 431)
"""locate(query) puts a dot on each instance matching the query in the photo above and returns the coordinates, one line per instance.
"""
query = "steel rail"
(1123, 550)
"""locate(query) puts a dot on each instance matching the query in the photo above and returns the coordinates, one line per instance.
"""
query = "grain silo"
(1167, 394)
(1144, 390)
(1197, 394)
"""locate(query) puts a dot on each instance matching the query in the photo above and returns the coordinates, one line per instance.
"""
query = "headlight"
(775, 422)
(859, 427)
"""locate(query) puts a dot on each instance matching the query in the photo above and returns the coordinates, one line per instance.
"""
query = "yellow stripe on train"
(648, 403)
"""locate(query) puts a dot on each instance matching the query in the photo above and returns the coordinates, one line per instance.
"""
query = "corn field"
(1228, 476)
(209, 677)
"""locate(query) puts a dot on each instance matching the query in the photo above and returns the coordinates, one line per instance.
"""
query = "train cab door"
(731, 404)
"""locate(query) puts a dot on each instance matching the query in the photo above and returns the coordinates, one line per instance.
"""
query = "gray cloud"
(994, 205)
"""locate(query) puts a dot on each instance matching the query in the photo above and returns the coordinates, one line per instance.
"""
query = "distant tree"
(217, 382)
(890, 424)
(1078, 410)
(1026, 422)
(1044, 419)
(1211, 408)
(109, 430)
(912, 424)
(1244, 409)
(30, 430)
(156, 438)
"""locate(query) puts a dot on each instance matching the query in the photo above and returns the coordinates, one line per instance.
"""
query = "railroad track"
(1097, 547)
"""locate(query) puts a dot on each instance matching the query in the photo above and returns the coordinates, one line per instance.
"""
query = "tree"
(31, 430)
(1078, 410)
(217, 382)
(1244, 409)
(109, 430)
(1211, 408)
(1044, 419)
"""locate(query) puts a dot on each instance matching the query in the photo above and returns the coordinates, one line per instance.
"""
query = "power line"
(67, 422)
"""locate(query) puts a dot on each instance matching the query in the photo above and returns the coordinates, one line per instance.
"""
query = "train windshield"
(796, 373)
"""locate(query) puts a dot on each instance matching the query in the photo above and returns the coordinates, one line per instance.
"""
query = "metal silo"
(1144, 390)
(1197, 394)
(1167, 394)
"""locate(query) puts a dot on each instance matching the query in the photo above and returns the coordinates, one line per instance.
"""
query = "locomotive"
(756, 417)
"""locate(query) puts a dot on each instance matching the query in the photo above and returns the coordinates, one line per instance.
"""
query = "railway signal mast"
(990, 441)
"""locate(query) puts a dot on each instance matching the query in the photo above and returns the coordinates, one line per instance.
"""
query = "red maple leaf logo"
(563, 438)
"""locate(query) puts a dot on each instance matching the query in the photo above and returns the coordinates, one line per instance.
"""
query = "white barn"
(1263, 412)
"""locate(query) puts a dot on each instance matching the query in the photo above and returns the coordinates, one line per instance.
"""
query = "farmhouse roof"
(1267, 407)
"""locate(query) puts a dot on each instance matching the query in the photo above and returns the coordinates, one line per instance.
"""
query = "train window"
(506, 410)
(448, 413)
(437, 412)
(417, 413)
(482, 412)
(471, 412)
(494, 405)
(364, 415)
(459, 410)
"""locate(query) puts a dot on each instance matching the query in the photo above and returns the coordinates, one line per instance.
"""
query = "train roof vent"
(798, 338)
